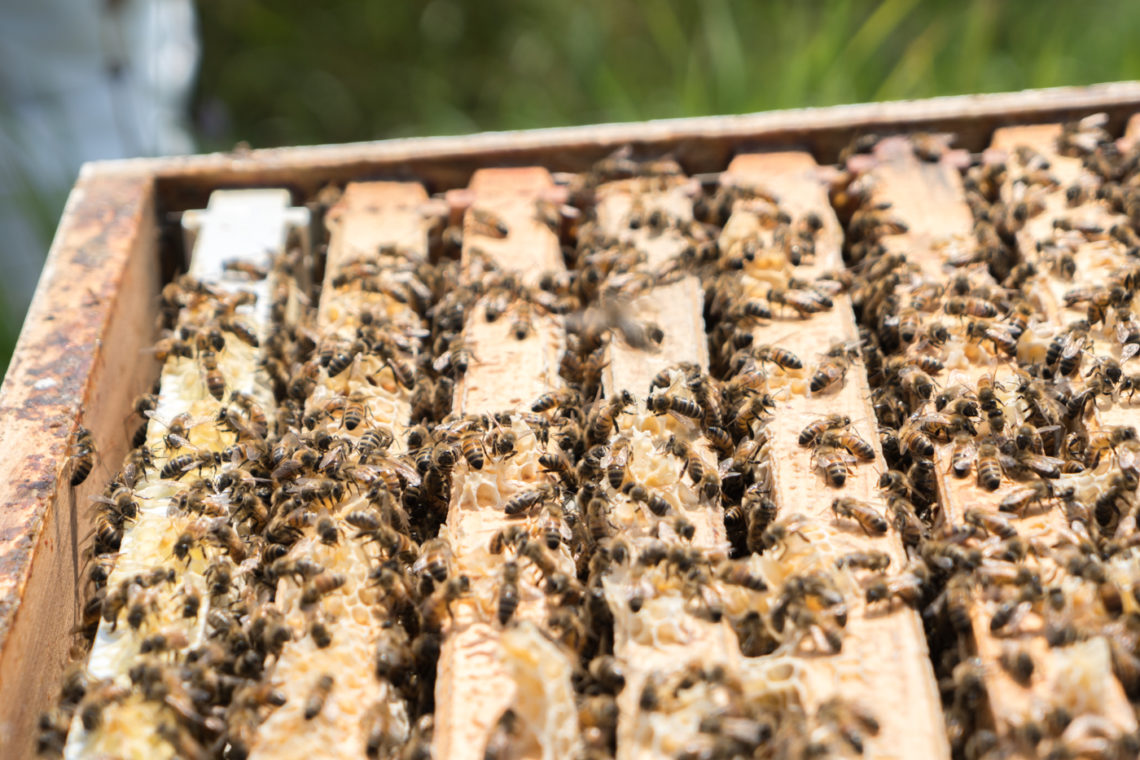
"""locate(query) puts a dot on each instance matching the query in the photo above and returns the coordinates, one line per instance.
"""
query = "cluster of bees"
(980, 386)
(967, 375)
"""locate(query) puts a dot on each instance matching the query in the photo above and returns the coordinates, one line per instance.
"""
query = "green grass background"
(285, 72)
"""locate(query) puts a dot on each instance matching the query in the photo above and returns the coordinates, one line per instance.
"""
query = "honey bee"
(618, 467)
(915, 441)
(738, 573)
(1102, 441)
(436, 559)
(651, 499)
(999, 335)
(693, 465)
(605, 419)
(970, 306)
(815, 429)
(1018, 501)
(864, 560)
(315, 702)
(849, 441)
(778, 532)
(320, 586)
(661, 403)
(781, 357)
(868, 518)
(98, 698)
(563, 397)
(829, 374)
(508, 592)
(721, 441)
(526, 500)
(803, 302)
(214, 379)
(82, 455)
(989, 466)
(990, 522)
(485, 222)
(962, 455)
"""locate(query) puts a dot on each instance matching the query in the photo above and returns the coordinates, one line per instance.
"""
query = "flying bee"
(82, 455)
(815, 429)
(868, 518)
(508, 591)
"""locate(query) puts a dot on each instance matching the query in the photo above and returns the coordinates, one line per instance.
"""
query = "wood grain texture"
(884, 663)
(476, 679)
(79, 361)
(700, 144)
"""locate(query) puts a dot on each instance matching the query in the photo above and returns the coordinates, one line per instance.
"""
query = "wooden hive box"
(82, 357)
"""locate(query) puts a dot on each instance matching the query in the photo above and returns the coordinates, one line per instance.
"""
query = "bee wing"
(1129, 350)
(442, 363)
(409, 473)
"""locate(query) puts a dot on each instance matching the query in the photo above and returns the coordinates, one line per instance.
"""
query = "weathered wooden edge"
(76, 362)
(700, 144)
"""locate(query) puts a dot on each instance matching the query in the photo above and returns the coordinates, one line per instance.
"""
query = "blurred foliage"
(280, 72)
(285, 72)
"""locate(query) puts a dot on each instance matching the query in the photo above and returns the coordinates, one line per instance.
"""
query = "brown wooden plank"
(373, 225)
(482, 669)
(899, 178)
(884, 664)
(79, 360)
(702, 144)
(661, 637)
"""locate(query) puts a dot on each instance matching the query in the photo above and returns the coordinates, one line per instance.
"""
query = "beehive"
(776, 435)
